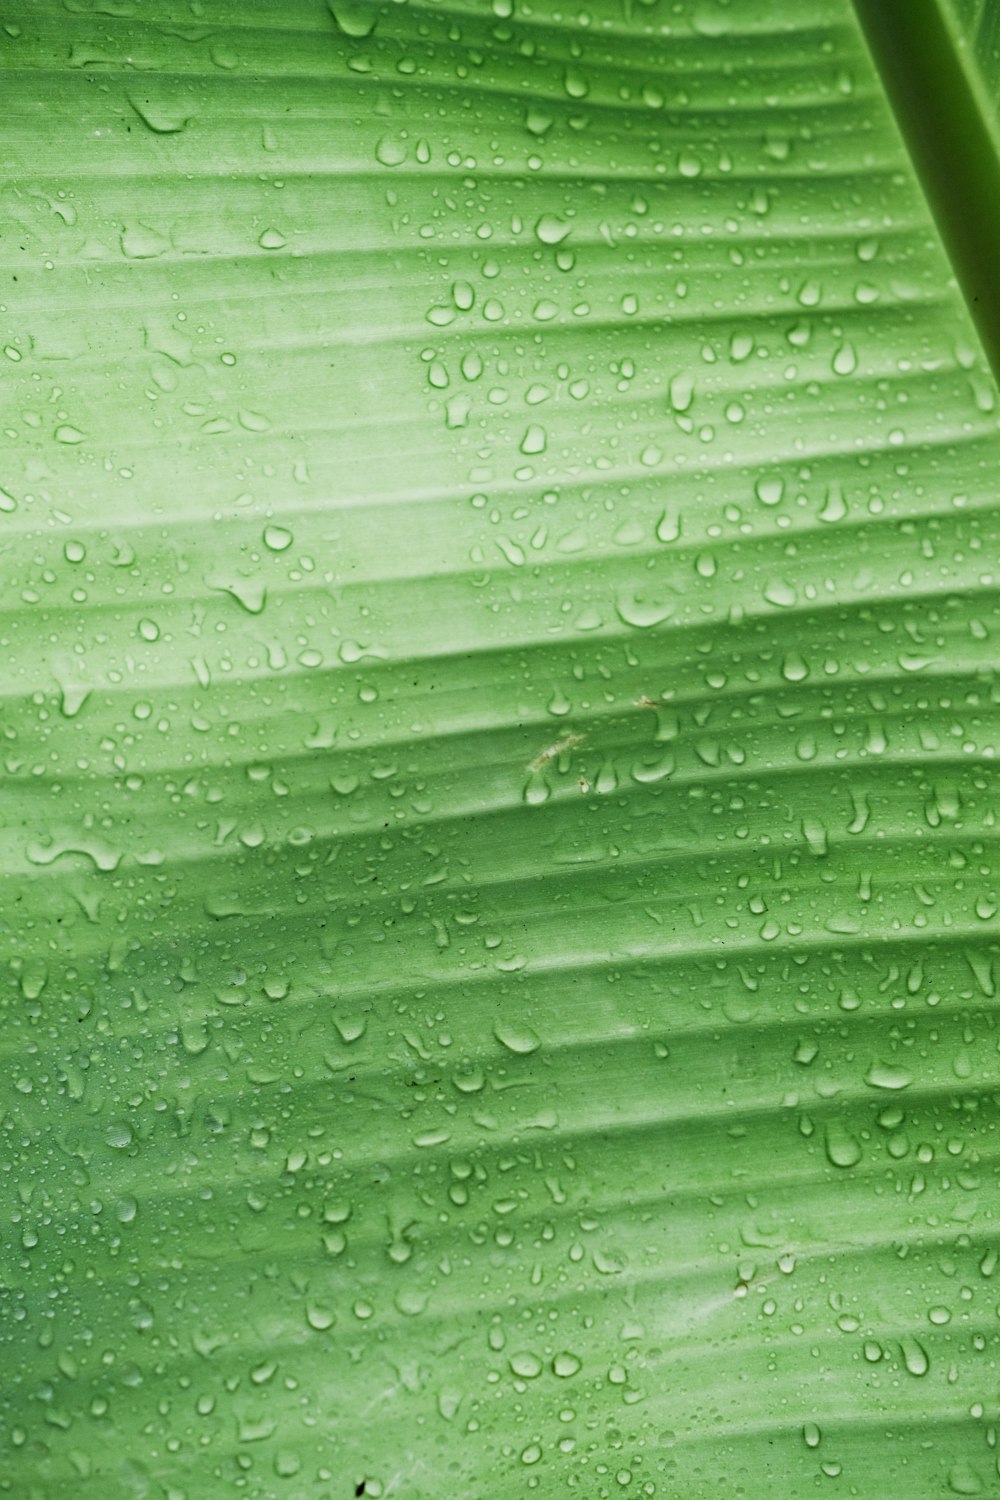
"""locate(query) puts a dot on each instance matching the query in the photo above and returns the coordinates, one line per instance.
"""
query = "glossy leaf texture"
(976, 28)
(499, 542)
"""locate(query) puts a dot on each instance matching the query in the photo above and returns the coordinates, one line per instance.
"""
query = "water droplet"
(163, 116)
(517, 1037)
(355, 18)
(842, 1149)
(794, 667)
(643, 610)
(537, 120)
(73, 695)
(33, 978)
(575, 84)
(552, 230)
(780, 593)
(886, 1076)
(668, 528)
(914, 1355)
(249, 593)
(815, 835)
(565, 1364)
(811, 1435)
(681, 392)
(770, 491)
(142, 242)
(277, 538)
(448, 1402)
(834, 508)
(457, 409)
(536, 790)
(512, 551)
(963, 1479)
(390, 152)
(845, 361)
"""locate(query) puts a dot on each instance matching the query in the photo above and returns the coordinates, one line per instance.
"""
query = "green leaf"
(499, 540)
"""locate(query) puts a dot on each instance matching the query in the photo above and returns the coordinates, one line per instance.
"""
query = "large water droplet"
(914, 1355)
(517, 1037)
(355, 18)
(162, 115)
(842, 1149)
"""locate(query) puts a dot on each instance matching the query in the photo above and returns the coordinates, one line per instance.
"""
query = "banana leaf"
(499, 538)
